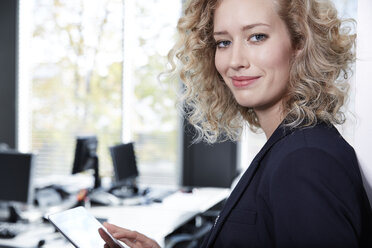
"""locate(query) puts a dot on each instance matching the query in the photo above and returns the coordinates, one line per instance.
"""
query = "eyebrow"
(246, 27)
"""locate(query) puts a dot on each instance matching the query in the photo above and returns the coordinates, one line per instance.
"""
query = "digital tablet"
(80, 228)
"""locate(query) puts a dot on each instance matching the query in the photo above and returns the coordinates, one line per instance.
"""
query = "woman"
(278, 65)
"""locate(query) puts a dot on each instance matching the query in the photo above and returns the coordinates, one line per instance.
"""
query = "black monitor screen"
(124, 162)
(15, 177)
(85, 153)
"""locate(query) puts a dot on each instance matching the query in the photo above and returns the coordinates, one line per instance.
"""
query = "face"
(253, 52)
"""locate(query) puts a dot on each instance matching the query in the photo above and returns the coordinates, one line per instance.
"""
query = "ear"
(298, 48)
(296, 52)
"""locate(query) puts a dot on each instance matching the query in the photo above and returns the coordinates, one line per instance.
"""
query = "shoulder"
(319, 154)
(320, 140)
(313, 189)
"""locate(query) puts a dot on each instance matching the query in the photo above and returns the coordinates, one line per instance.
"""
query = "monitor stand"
(97, 179)
(125, 191)
(10, 213)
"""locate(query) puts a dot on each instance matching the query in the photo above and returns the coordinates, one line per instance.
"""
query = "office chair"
(187, 240)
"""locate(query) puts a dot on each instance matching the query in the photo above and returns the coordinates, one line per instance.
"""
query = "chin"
(245, 104)
(242, 101)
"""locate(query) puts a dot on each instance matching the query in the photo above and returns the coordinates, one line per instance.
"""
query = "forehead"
(232, 13)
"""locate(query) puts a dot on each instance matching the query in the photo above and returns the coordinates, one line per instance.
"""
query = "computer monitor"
(124, 162)
(86, 157)
(16, 174)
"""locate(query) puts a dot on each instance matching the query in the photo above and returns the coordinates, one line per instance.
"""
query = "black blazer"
(303, 189)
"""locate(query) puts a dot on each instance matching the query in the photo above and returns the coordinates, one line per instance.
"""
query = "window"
(150, 114)
(90, 67)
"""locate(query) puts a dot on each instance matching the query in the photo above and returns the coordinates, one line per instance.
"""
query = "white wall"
(363, 96)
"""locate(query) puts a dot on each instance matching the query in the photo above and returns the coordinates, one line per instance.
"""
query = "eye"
(223, 43)
(258, 37)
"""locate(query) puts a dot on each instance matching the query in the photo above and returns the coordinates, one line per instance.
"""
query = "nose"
(239, 57)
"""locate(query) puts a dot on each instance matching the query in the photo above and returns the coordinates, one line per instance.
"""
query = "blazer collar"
(245, 180)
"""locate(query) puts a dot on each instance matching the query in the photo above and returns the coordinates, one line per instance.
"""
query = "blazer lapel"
(244, 182)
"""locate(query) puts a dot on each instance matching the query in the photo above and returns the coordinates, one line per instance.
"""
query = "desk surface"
(160, 219)
(155, 220)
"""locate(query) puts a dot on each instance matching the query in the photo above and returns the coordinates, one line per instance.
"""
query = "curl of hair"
(317, 82)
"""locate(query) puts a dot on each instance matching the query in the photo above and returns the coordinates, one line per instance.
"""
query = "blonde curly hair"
(317, 81)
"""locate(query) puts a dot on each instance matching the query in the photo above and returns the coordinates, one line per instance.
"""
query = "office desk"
(160, 219)
(155, 220)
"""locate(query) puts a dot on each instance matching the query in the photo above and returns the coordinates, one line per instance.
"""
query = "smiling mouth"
(243, 81)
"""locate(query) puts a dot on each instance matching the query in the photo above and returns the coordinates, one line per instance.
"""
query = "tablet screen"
(79, 227)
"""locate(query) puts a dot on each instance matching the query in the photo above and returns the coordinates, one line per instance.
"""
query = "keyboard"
(123, 193)
(10, 230)
(152, 196)
(100, 197)
(158, 195)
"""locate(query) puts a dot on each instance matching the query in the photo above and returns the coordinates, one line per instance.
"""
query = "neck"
(270, 118)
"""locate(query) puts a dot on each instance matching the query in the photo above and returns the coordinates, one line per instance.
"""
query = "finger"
(120, 232)
(131, 243)
(103, 235)
(109, 242)
(114, 228)
(139, 237)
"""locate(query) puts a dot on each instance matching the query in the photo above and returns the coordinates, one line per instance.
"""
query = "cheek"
(275, 60)
(219, 63)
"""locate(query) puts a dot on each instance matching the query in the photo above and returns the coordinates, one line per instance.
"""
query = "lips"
(243, 81)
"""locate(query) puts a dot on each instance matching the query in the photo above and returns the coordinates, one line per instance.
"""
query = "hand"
(132, 239)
